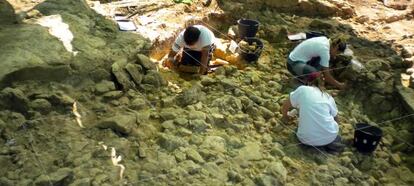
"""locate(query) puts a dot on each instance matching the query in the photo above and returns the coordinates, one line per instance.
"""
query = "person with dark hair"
(314, 54)
(197, 44)
(318, 120)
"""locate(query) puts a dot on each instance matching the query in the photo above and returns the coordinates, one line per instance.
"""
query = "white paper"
(298, 36)
(126, 25)
(233, 46)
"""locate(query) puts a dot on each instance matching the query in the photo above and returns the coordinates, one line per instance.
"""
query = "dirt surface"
(167, 128)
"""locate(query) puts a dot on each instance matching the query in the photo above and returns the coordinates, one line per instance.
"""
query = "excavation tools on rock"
(77, 115)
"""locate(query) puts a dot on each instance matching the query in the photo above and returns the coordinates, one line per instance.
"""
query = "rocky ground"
(220, 129)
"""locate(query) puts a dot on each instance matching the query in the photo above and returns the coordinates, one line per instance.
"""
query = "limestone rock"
(145, 62)
(135, 71)
(41, 105)
(122, 77)
(171, 142)
(228, 104)
(14, 99)
(250, 152)
(214, 143)
(190, 96)
(194, 156)
(267, 180)
(122, 124)
(139, 103)
(63, 176)
(278, 170)
(104, 86)
(198, 125)
(154, 79)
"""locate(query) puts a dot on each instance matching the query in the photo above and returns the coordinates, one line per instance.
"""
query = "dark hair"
(341, 47)
(191, 35)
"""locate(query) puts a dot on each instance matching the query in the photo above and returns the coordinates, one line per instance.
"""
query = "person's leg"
(335, 146)
(191, 57)
(315, 63)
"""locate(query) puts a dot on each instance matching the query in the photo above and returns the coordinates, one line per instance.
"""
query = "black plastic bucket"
(247, 27)
(251, 57)
(366, 137)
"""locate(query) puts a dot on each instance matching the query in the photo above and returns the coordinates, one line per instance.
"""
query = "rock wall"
(7, 15)
(97, 43)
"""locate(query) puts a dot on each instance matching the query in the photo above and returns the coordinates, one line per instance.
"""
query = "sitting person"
(318, 120)
(314, 54)
(197, 42)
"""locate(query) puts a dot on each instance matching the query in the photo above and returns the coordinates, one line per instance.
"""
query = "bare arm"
(285, 108)
(330, 79)
(204, 60)
(172, 54)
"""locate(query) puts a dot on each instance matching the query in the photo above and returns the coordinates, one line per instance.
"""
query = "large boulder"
(7, 15)
(121, 124)
(14, 99)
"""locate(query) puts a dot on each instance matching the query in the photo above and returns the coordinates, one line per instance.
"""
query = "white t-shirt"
(317, 110)
(206, 38)
(313, 47)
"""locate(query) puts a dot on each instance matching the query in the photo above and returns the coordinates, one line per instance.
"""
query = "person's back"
(317, 110)
(311, 48)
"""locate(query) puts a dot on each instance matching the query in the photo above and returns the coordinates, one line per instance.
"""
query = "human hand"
(286, 119)
(342, 86)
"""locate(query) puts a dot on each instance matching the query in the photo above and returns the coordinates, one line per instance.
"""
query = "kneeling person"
(318, 120)
(197, 43)
(314, 55)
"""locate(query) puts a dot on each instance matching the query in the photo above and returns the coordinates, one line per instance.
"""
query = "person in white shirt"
(197, 42)
(318, 120)
(313, 55)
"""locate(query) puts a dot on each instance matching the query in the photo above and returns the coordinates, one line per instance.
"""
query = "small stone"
(395, 159)
(104, 86)
(206, 81)
(138, 104)
(14, 99)
(168, 125)
(41, 105)
(123, 124)
(214, 143)
(179, 156)
(181, 121)
(154, 79)
(277, 150)
(341, 181)
(113, 94)
(198, 125)
(267, 180)
(190, 96)
(278, 170)
(194, 155)
(122, 76)
(170, 142)
(291, 163)
(145, 62)
(197, 115)
(63, 176)
(250, 152)
(168, 114)
(136, 72)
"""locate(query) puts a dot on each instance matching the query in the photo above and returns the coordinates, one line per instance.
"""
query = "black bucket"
(251, 57)
(247, 27)
(366, 137)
